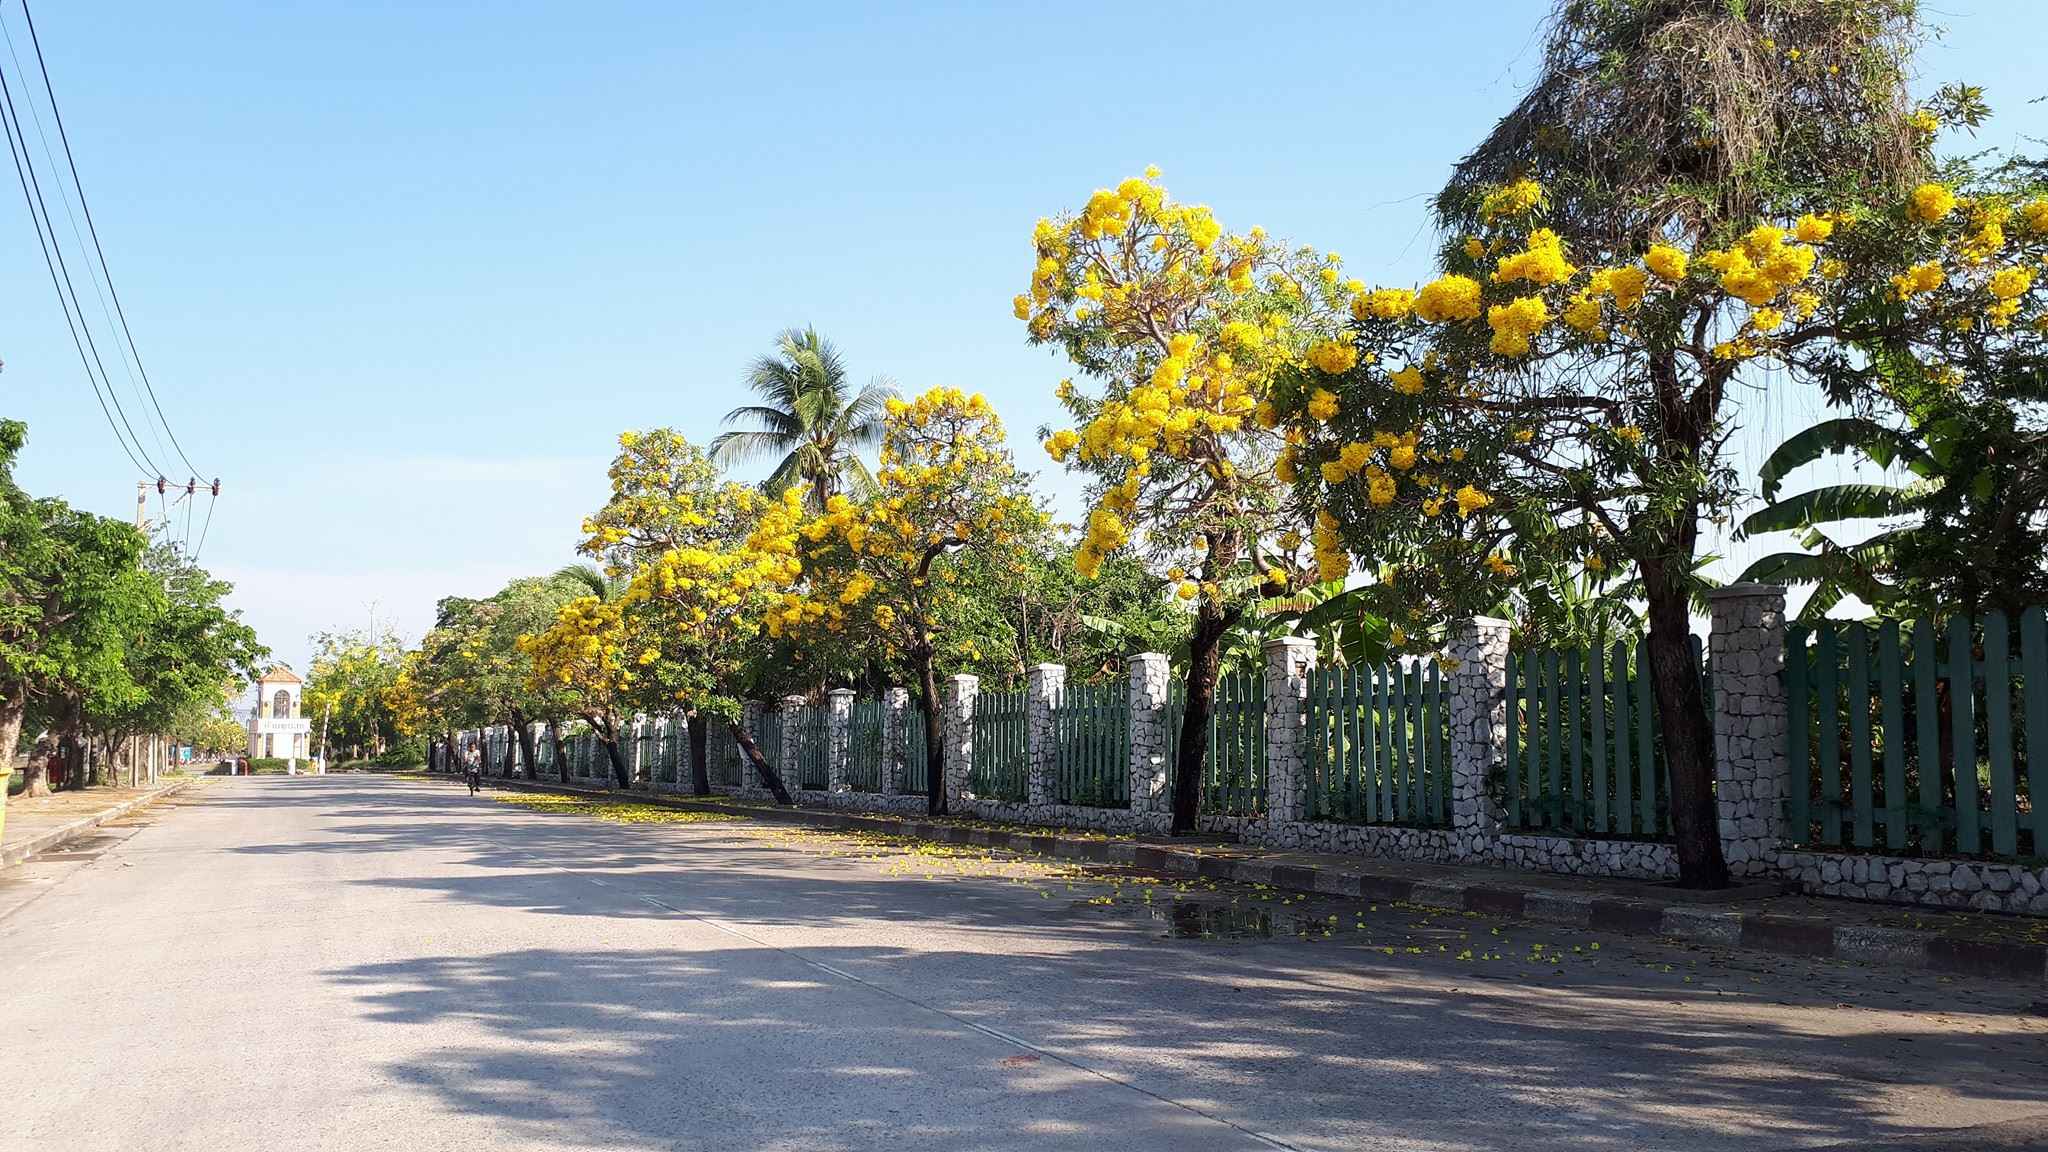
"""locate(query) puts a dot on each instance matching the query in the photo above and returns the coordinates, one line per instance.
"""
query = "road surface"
(370, 962)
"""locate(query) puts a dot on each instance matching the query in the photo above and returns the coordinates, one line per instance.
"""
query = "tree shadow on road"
(1377, 1038)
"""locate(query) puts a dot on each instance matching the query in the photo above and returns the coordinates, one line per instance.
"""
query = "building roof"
(279, 674)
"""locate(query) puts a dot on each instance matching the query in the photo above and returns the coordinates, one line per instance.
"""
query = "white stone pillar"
(1151, 676)
(839, 738)
(1289, 660)
(895, 738)
(1752, 777)
(792, 735)
(958, 728)
(1476, 668)
(1044, 687)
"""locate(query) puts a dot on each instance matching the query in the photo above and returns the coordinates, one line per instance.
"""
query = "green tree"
(809, 417)
(67, 585)
(180, 643)
(347, 687)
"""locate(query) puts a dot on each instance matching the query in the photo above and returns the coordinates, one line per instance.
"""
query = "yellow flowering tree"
(1531, 412)
(1658, 213)
(1179, 331)
(707, 560)
(584, 659)
(891, 568)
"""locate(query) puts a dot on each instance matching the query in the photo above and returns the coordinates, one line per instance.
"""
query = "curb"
(1809, 936)
(63, 834)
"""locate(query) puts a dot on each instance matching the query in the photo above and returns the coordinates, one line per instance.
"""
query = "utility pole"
(141, 505)
(324, 714)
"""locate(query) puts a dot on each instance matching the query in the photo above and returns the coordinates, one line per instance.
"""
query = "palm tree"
(589, 580)
(808, 418)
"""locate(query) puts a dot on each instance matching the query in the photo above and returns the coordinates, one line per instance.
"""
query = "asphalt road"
(357, 962)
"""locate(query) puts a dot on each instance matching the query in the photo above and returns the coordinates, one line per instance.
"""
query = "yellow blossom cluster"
(1541, 262)
(1931, 203)
(1761, 266)
(946, 483)
(1334, 357)
(1448, 298)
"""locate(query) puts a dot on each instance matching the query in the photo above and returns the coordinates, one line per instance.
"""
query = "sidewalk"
(1975, 944)
(46, 822)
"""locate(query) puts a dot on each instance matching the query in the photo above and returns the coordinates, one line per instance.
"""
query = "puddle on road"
(1202, 920)
(1186, 919)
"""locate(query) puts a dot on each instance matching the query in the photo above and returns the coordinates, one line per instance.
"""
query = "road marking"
(1005, 1037)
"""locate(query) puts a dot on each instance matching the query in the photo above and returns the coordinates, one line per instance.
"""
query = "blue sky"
(401, 272)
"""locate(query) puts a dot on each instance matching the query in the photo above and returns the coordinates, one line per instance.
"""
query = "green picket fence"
(1912, 729)
(1585, 753)
(1000, 761)
(1378, 746)
(768, 740)
(724, 762)
(1092, 745)
(864, 747)
(813, 747)
(1234, 780)
(916, 772)
(645, 751)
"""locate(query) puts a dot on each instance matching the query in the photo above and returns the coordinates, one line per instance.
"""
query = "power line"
(71, 161)
(97, 276)
(17, 149)
(215, 495)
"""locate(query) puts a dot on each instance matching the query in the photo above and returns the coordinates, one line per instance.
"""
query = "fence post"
(895, 739)
(1150, 677)
(1478, 659)
(792, 708)
(1289, 660)
(1044, 685)
(959, 731)
(839, 738)
(1752, 776)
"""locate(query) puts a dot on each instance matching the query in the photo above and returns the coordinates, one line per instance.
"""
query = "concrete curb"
(63, 834)
(1810, 936)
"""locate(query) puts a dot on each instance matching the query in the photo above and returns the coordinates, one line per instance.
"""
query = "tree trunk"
(450, 762)
(1688, 734)
(1205, 664)
(934, 734)
(607, 733)
(762, 768)
(524, 727)
(510, 763)
(71, 749)
(561, 755)
(11, 710)
(700, 770)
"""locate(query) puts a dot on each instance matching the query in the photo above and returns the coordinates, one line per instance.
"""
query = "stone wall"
(1752, 776)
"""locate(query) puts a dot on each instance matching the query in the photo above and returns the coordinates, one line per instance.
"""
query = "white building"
(275, 727)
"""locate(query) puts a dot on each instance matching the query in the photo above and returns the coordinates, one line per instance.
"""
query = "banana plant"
(1966, 526)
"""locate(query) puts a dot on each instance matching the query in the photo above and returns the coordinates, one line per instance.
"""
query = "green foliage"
(810, 417)
(348, 685)
(181, 646)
